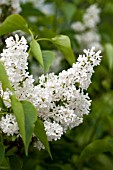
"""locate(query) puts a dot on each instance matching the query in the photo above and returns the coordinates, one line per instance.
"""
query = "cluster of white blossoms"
(86, 32)
(13, 4)
(61, 100)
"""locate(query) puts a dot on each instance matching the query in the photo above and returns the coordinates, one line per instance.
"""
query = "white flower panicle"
(89, 38)
(61, 100)
(86, 31)
(14, 5)
(14, 58)
(91, 18)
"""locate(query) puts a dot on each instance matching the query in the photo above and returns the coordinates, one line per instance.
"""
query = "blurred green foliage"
(94, 138)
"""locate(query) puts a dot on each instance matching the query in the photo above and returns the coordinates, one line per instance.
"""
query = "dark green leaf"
(30, 114)
(94, 148)
(32, 160)
(12, 23)
(62, 42)
(106, 162)
(48, 58)
(2, 104)
(38, 167)
(36, 51)
(5, 164)
(41, 135)
(14, 162)
(4, 78)
(2, 152)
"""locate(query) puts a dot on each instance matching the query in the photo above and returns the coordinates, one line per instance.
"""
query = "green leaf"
(30, 114)
(33, 159)
(69, 10)
(5, 164)
(26, 116)
(2, 103)
(20, 117)
(12, 23)
(94, 148)
(105, 162)
(36, 51)
(62, 42)
(14, 162)
(67, 167)
(4, 78)
(41, 135)
(48, 58)
(2, 152)
(109, 53)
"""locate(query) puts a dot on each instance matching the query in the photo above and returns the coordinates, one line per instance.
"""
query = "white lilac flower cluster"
(61, 100)
(13, 4)
(86, 32)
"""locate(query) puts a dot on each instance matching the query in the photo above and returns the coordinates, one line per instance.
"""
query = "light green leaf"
(48, 58)
(96, 147)
(36, 51)
(2, 152)
(109, 53)
(4, 78)
(62, 42)
(41, 135)
(30, 114)
(12, 23)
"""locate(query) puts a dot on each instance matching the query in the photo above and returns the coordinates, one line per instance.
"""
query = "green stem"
(43, 39)
(31, 34)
